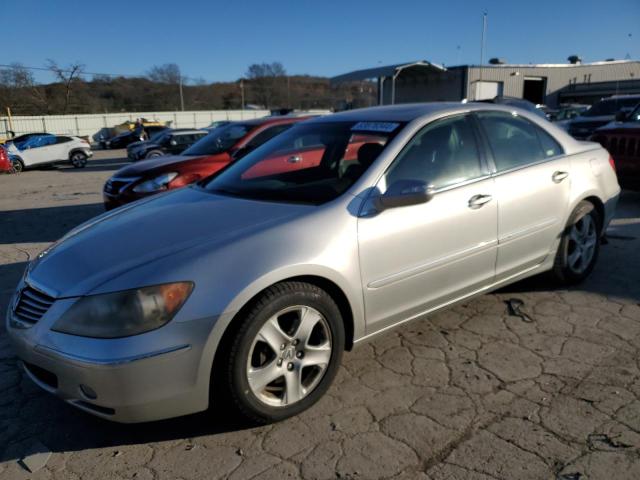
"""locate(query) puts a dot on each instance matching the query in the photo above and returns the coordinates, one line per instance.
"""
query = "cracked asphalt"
(469, 393)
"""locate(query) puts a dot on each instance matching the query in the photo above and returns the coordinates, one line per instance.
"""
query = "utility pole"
(181, 95)
(482, 39)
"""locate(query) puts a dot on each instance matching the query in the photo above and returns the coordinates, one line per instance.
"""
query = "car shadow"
(102, 165)
(34, 225)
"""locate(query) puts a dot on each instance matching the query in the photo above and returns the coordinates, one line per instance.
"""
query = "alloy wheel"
(78, 160)
(289, 356)
(582, 244)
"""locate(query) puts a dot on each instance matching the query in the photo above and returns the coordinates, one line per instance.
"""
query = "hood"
(159, 164)
(595, 119)
(119, 241)
(627, 127)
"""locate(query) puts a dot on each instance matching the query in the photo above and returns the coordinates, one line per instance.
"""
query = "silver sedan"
(247, 287)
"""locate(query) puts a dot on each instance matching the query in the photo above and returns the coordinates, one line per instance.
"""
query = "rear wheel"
(285, 352)
(580, 245)
(78, 159)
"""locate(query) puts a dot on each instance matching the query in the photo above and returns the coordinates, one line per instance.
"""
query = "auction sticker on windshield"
(376, 126)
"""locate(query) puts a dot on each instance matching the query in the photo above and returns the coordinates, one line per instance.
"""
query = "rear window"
(220, 140)
(611, 106)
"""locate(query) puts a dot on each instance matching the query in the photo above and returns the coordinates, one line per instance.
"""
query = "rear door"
(532, 180)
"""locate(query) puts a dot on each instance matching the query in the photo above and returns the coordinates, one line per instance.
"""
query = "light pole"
(484, 31)
(181, 95)
(242, 94)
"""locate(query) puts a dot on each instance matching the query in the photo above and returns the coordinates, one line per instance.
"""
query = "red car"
(205, 157)
(622, 140)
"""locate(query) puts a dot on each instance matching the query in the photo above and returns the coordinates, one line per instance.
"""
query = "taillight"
(612, 163)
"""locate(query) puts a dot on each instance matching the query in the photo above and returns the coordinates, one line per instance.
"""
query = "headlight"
(122, 314)
(156, 184)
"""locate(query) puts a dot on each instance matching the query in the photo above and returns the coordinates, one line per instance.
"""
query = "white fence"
(88, 125)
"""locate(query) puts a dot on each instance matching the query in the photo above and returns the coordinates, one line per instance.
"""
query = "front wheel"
(579, 246)
(154, 154)
(17, 165)
(284, 353)
(78, 159)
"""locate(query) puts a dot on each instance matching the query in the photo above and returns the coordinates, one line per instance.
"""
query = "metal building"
(548, 84)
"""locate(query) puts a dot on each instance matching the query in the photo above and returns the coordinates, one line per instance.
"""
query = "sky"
(218, 40)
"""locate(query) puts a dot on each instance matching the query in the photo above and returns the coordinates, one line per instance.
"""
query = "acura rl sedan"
(245, 288)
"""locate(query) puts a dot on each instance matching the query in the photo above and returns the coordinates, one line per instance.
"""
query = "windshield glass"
(220, 140)
(635, 115)
(310, 163)
(611, 107)
(159, 136)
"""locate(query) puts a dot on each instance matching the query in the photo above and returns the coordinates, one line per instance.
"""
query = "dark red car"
(622, 140)
(205, 157)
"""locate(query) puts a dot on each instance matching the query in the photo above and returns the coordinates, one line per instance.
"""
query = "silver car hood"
(119, 241)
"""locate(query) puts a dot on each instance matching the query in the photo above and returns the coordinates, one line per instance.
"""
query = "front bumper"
(147, 377)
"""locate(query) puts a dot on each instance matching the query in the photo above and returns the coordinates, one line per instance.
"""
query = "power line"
(48, 69)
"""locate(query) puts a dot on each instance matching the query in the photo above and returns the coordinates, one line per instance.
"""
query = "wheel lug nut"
(290, 366)
(296, 341)
(300, 354)
(282, 346)
(279, 362)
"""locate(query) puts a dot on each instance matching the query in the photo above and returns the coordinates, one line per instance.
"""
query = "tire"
(154, 154)
(78, 159)
(579, 246)
(18, 165)
(298, 380)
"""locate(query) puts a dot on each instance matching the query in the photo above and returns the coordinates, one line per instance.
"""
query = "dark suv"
(169, 142)
(600, 114)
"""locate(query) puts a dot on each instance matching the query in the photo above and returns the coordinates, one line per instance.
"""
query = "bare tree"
(266, 81)
(167, 73)
(66, 76)
(19, 89)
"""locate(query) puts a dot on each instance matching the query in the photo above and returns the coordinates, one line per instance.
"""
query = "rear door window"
(515, 141)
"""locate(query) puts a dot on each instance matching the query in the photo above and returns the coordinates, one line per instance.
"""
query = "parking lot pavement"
(470, 393)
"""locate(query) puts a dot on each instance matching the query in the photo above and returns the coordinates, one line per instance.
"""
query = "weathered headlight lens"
(155, 184)
(122, 314)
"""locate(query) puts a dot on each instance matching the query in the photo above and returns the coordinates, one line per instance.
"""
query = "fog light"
(88, 392)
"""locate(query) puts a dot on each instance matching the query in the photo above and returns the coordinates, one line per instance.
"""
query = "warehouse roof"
(386, 71)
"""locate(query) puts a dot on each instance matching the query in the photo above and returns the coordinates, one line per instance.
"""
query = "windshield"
(611, 106)
(635, 115)
(310, 163)
(220, 140)
(159, 136)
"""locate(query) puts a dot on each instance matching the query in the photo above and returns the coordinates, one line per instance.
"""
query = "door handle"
(479, 200)
(294, 159)
(559, 176)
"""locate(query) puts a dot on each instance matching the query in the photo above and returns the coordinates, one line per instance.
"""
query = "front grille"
(32, 304)
(116, 185)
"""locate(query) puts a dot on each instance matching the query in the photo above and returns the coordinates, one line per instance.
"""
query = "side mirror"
(621, 116)
(404, 193)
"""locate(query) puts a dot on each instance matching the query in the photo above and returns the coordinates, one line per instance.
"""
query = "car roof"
(187, 130)
(407, 112)
(275, 120)
(620, 97)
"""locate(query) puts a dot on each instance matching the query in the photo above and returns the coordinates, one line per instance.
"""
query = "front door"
(416, 258)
